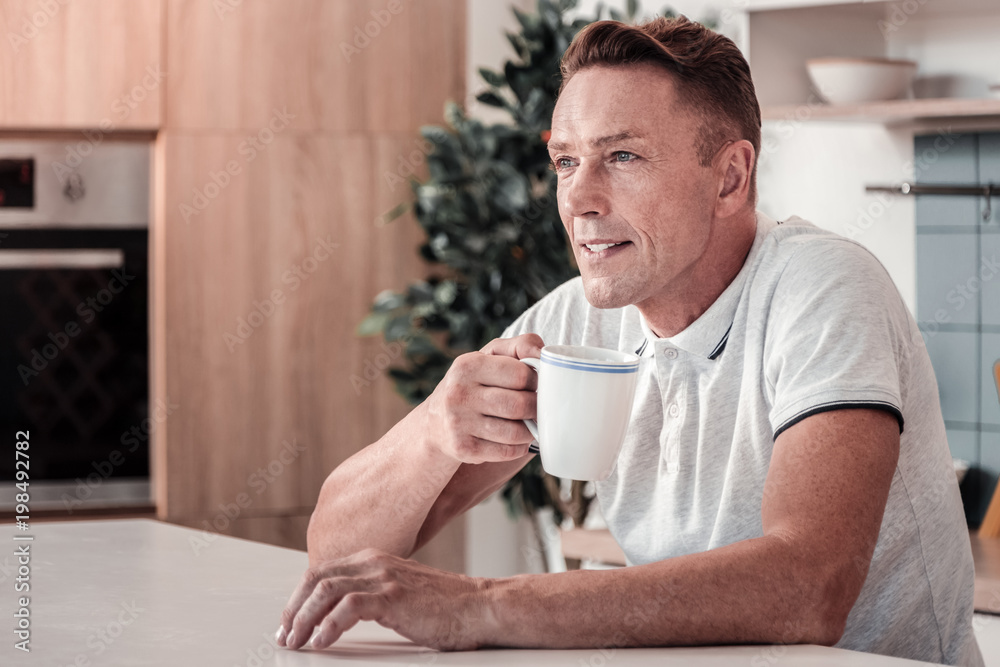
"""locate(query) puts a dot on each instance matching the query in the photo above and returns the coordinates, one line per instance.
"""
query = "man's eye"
(560, 163)
(624, 156)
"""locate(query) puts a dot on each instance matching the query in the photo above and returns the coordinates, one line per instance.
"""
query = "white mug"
(584, 404)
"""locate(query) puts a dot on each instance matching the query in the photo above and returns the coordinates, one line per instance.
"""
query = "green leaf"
(401, 374)
(445, 293)
(373, 324)
(529, 22)
(550, 14)
(394, 213)
(517, 43)
(493, 78)
(632, 8)
(387, 300)
(491, 99)
(421, 346)
(453, 114)
(398, 327)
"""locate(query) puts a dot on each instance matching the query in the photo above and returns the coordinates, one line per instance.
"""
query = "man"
(785, 477)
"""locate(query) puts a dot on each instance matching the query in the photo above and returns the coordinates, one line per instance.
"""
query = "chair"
(990, 527)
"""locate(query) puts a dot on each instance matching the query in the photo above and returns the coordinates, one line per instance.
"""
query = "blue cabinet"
(958, 300)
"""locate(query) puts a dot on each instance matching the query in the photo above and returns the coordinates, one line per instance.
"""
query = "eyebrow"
(600, 142)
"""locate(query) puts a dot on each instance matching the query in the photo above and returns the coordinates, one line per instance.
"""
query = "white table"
(135, 593)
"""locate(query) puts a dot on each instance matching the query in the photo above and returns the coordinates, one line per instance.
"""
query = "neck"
(694, 291)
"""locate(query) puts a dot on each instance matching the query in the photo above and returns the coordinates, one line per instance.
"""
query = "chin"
(601, 294)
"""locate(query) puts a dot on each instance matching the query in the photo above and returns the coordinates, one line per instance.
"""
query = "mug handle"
(531, 423)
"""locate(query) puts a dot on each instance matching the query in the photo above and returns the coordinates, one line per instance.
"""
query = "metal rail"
(989, 190)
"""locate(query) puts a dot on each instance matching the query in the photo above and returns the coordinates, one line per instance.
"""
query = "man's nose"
(586, 191)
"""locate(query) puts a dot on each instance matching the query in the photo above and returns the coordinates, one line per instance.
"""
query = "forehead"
(601, 101)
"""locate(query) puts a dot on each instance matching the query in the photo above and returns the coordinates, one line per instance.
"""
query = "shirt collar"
(706, 337)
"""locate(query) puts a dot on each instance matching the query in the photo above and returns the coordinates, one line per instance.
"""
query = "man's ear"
(735, 167)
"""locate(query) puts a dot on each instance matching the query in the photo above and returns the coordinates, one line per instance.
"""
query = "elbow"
(828, 631)
(833, 596)
(313, 539)
(316, 532)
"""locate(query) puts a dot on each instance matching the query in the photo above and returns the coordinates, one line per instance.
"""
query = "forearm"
(755, 591)
(380, 497)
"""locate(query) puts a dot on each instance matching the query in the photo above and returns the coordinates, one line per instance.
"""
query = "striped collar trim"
(707, 336)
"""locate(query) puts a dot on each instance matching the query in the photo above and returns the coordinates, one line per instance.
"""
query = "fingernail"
(290, 642)
(279, 636)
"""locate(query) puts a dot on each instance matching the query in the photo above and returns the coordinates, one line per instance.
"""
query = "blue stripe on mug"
(584, 366)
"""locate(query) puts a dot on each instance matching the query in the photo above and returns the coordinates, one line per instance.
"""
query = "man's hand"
(430, 607)
(475, 413)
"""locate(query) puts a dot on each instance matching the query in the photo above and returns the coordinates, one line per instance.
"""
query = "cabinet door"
(80, 64)
(273, 166)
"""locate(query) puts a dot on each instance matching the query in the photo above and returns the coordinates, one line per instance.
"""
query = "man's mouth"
(601, 247)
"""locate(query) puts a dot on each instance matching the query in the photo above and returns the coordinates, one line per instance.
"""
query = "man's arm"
(824, 498)
(446, 455)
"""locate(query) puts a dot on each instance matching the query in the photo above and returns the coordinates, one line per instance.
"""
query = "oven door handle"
(91, 258)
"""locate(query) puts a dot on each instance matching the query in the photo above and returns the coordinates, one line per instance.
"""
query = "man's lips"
(601, 246)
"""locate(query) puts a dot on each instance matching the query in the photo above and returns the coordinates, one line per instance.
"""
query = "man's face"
(624, 149)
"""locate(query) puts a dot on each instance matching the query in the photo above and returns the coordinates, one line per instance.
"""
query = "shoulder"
(818, 285)
(802, 257)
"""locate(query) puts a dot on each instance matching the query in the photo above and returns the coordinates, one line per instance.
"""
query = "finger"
(505, 404)
(504, 372)
(479, 450)
(353, 607)
(310, 579)
(350, 566)
(496, 431)
(325, 596)
(519, 347)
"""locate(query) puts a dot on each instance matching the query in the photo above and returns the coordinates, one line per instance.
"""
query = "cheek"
(564, 217)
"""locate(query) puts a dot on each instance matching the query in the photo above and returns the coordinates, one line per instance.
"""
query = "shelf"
(986, 556)
(807, 5)
(894, 110)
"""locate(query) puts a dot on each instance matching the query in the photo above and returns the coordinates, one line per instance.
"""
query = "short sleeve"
(837, 335)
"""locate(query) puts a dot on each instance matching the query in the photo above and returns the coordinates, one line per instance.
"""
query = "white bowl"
(851, 80)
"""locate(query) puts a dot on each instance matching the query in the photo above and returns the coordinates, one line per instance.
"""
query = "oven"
(74, 319)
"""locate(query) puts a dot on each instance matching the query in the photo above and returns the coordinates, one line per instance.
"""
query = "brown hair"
(712, 75)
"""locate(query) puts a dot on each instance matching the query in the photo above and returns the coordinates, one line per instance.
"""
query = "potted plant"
(494, 238)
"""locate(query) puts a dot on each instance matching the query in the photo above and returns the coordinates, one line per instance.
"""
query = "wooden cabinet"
(276, 125)
(360, 66)
(271, 164)
(74, 65)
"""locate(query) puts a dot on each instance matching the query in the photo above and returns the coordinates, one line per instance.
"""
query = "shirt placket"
(667, 358)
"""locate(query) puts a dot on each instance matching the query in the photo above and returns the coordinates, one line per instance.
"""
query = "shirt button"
(671, 353)
(673, 410)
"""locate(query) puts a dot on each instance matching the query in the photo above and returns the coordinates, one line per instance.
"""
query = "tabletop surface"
(140, 592)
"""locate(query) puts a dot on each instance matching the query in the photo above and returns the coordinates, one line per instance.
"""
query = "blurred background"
(223, 223)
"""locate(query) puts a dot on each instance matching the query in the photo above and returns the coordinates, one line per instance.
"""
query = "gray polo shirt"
(811, 323)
